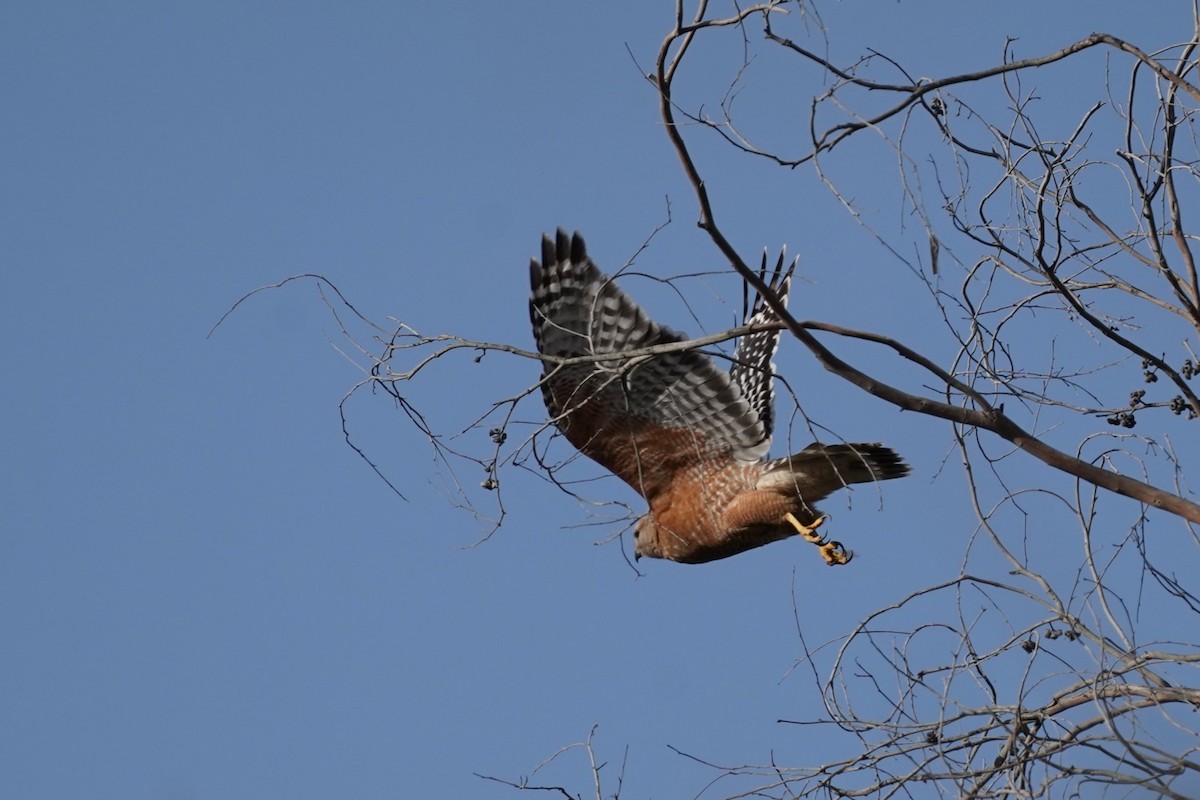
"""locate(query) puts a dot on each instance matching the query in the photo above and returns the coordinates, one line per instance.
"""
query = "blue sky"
(204, 593)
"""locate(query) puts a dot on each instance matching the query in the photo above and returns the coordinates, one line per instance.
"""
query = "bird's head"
(645, 538)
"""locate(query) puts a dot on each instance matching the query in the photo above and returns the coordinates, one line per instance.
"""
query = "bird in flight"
(688, 436)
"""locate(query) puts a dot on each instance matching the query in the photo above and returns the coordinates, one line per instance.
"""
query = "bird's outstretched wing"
(644, 417)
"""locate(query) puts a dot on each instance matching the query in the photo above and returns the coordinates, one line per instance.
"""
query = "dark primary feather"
(752, 368)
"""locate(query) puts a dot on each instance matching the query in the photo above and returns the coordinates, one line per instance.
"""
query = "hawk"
(687, 435)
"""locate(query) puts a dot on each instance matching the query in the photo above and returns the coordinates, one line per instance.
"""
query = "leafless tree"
(1047, 679)
(1058, 253)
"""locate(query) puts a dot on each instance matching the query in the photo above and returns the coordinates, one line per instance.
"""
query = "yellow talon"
(807, 532)
(833, 552)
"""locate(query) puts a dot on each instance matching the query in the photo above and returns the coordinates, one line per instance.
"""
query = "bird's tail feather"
(824, 468)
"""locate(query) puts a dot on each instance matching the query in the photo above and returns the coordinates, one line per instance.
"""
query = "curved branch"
(985, 416)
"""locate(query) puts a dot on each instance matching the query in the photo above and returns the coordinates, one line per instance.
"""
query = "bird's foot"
(807, 532)
(833, 552)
